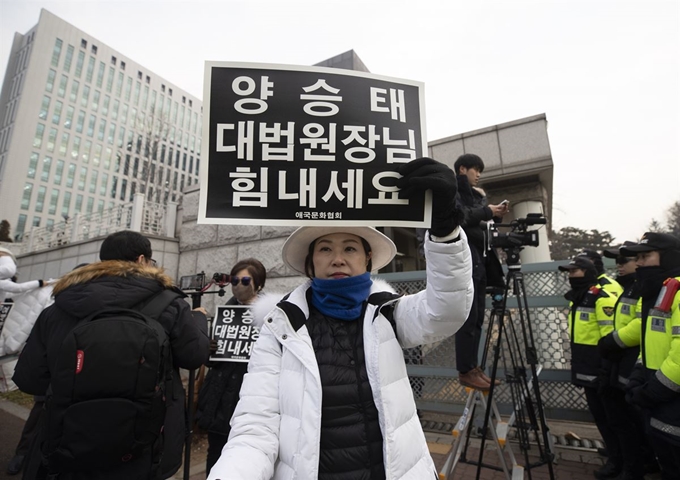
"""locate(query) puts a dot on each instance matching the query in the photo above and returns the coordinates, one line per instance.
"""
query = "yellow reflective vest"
(589, 320)
(609, 285)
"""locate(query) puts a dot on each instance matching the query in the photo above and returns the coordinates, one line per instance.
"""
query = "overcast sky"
(605, 73)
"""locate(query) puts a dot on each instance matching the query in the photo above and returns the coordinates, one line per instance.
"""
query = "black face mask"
(580, 283)
(650, 280)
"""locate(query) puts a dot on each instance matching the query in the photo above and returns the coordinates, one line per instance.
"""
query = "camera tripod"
(517, 352)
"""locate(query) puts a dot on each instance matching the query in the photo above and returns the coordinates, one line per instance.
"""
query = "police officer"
(654, 384)
(591, 311)
(607, 283)
(636, 452)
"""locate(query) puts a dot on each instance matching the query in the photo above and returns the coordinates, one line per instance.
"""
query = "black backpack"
(106, 402)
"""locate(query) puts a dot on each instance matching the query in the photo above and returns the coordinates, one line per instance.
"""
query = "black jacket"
(477, 212)
(117, 284)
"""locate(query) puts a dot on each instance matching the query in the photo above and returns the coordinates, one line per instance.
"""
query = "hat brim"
(566, 268)
(635, 249)
(611, 252)
(295, 249)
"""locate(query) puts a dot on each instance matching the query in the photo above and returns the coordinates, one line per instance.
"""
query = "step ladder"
(499, 431)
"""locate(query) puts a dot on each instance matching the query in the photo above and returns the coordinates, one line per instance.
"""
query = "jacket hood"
(267, 302)
(107, 284)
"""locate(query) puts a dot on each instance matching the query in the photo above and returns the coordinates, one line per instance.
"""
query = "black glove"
(428, 174)
(641, 397)
(609, 349)
(637, 378)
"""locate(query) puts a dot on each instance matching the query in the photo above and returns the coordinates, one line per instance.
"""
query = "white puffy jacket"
(276, 428)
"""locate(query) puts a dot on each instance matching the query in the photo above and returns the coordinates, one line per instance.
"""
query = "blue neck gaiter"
(341, 298)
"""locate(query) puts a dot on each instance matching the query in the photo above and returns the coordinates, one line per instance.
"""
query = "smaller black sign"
(234, 332)
(4, 313)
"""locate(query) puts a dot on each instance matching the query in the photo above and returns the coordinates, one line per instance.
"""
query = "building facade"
(84, 128)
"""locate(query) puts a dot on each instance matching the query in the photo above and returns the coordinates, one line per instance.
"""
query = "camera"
(518, 236)
(198, 281)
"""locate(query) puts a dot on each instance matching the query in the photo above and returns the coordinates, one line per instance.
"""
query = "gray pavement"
(572, 464)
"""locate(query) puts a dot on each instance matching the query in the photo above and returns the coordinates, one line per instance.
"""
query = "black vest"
(351, 439)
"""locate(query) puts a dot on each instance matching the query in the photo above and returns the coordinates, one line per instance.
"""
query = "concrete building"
(84, 127)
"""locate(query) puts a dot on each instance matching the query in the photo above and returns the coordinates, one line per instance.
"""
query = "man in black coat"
(126, 277)
(486, 268)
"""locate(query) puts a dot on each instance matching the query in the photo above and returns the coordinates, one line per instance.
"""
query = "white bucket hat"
(296, 248)
(4, 250)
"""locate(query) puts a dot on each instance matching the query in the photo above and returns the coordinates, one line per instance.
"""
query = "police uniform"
(609, 285)
(655, 383)
(591, 317)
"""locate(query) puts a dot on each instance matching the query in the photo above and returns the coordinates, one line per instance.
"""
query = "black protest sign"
(309, 146)
(5, 308)
(234, 332)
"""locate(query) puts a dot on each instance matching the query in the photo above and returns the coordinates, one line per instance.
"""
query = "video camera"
(198, 282)
(518, 236)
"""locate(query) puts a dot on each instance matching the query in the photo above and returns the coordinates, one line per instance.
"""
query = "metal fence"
(139, 215)
(432, 368)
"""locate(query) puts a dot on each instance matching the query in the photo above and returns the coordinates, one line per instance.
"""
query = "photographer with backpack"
(107, 352)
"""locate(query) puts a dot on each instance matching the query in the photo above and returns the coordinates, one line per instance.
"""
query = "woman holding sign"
(219, 393)
(326, 395)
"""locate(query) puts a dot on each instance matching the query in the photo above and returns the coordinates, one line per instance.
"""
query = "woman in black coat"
(219, 393)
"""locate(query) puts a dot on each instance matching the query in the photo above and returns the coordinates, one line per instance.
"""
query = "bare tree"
(672, 221)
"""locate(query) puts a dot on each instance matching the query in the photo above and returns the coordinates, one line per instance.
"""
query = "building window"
(170, 92)
(113, 60)
(40, 200)
(83, 43)
(54, 199)
(49, 86)
(56, 115)
(39, 132)
(75, 85)
(56, 53)
(184, 99)
(90, 126)
(105, 105)
(69, 116)
(190, 102)
(163, 88)
(70, 175)
(59, 171)
(79, 63)
(109, 79)
(100, 74)
(75, 148)
(62, 86)
(102, 185)
(94, 49)
(44, 108)
(66, 205)
(85, 96)
(79, 203)
(51, 140)
(64, 143)
(90, 70)
(90, 205)
(122, 65)
(148, 79)
(93, 181)
(21, 225)
(80, 122)
(82, 178)
(139, 74)
(68, 59)
(95, 100)
(47, 165)
(32, 165)
(26, 198)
